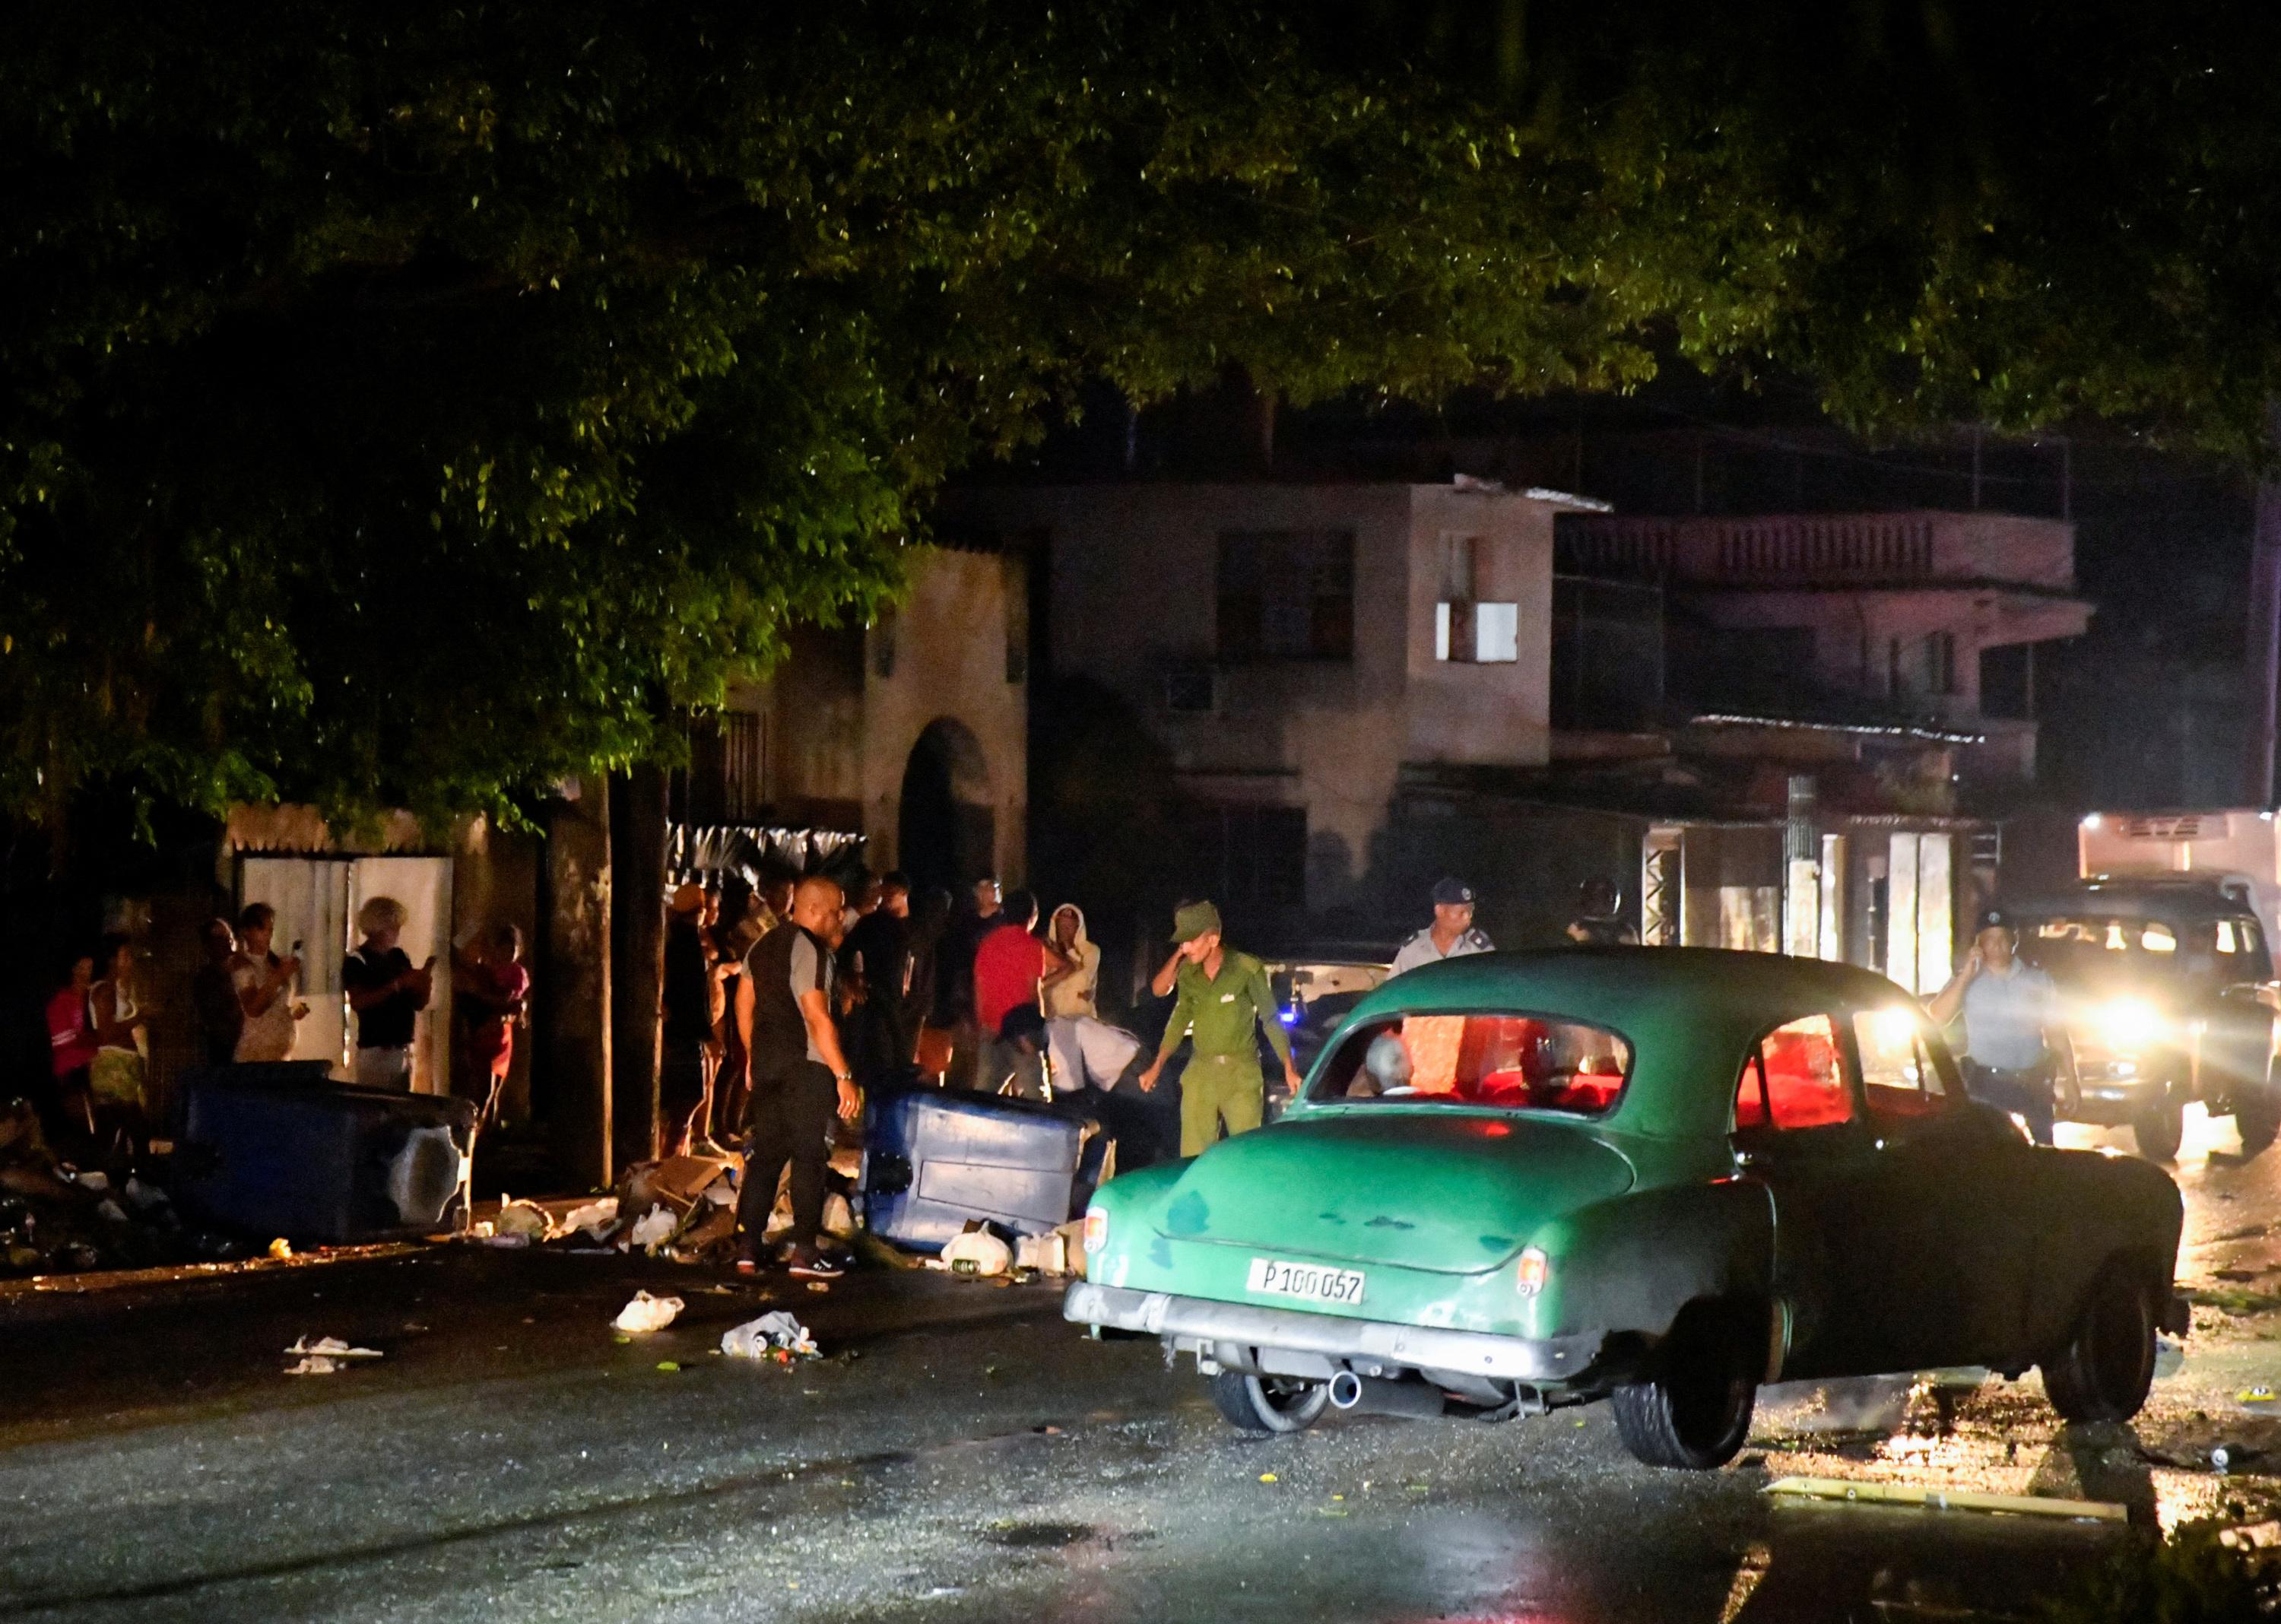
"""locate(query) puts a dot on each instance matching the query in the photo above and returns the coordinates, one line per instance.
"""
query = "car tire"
(1694, 1413)
(2257, 1115)
(2105, 1370)
(1266, 1405)
(2158, 1125)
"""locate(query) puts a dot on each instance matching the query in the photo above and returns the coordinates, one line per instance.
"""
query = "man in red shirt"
(1010, 965)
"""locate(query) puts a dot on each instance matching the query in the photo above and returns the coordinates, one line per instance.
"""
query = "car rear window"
(1524, 1061)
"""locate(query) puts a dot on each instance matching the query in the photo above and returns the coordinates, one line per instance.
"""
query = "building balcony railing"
(1912, 548)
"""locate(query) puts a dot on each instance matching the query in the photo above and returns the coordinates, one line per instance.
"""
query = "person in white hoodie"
(1076, 994)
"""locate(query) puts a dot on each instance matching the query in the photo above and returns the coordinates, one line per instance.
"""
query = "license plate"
(1308, 1281)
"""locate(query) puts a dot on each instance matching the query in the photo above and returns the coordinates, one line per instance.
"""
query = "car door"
(1964, 1188)
(1845, 1235)
(2236, 1042)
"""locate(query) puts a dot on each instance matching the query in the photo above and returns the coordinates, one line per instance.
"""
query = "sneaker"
(808, 1265)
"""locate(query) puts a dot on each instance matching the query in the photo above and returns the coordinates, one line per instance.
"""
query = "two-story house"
(1296, 647)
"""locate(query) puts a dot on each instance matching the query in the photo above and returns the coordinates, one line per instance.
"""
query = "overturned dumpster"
(936, 1161)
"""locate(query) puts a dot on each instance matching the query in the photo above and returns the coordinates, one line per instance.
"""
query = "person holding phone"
(2015, 1043)
(387, 994)
(264, 985)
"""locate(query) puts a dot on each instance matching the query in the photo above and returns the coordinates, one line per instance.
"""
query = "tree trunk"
(572, 997)
(638, 962)
(2265, 621)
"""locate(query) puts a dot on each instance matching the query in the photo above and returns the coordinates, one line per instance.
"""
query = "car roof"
(1690, 1014)
(2135, 899)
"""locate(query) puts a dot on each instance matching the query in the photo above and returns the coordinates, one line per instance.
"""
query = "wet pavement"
(963, 1456)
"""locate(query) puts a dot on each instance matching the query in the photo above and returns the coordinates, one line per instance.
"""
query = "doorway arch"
(947, 829)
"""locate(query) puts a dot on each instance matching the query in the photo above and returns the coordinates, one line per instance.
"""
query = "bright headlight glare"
(1895, 1028)
(2128, 1023)
(1096, 1229)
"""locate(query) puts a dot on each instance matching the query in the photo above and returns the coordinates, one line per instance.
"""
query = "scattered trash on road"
(595, 1219)
(978, 1251)
(774, 1332)
(647, 1313)
(325, 1357)
(522, 1217)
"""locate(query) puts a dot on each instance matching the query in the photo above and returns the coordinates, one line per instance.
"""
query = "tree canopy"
(419, 407)
(423, 405)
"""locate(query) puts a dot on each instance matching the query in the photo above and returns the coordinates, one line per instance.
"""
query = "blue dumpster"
(935, 1160)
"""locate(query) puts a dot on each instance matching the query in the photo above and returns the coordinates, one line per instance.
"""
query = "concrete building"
(912, 732)
(1921, 617)
(1296, 647)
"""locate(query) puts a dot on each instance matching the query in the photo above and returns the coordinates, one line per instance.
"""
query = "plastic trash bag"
(594, 1217)
(985, 1253)
(647, 1313)
(522, 1217)
(655, 1226)
(771, 1332)
(327, 1356)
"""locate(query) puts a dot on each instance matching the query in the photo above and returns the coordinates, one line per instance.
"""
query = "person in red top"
(492, 988)
(1009, 966)
(71, 1049)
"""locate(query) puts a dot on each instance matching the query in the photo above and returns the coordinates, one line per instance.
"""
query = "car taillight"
(1534, 1270)
(1096, 1229)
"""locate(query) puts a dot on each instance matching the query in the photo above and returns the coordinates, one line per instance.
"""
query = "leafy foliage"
(2192, 1576)
(420, 405)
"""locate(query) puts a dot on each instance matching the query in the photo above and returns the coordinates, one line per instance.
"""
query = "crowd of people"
(246, 1002)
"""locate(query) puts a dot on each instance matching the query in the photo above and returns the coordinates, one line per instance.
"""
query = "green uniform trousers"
(1216, 1088)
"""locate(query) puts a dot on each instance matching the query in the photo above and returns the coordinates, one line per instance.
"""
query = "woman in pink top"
(71, 1045)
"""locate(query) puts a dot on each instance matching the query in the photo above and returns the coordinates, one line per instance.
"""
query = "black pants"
(792, 1114)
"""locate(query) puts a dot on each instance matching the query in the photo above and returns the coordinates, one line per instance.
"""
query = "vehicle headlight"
(1096, 1229)
(1536, 1268)
(2129, 1023)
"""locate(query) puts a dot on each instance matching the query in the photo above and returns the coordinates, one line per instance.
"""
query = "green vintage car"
(1663, 1176)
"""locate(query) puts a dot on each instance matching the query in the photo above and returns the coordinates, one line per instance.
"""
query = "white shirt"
(2004, 1017)
(1422, 950)
(1084, 1051)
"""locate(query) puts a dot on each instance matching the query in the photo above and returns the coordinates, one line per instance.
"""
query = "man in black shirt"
(685, 1075)
(883, 1029)
(220, 1015)
(785, 1011)
(387, 994)
(954, 995)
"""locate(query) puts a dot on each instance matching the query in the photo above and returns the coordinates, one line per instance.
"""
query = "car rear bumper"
(1200, 1322)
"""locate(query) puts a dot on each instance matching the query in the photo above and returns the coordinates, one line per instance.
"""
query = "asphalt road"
(962, 1456)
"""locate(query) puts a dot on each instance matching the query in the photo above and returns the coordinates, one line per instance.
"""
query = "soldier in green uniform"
(1224, 1003)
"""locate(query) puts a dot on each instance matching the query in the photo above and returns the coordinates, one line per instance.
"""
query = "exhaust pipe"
(1373, 1396)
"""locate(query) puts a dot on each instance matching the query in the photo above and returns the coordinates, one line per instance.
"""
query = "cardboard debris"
(676, 1182)
(647, 1313)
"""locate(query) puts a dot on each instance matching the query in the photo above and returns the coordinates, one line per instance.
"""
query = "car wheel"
(1263, 1405)
(2257, 1115)
(2158, 1125)
(2103, 1373)
(1694, 1411)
